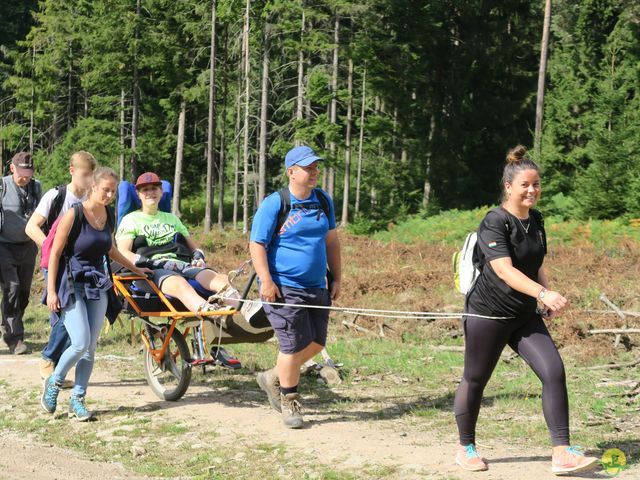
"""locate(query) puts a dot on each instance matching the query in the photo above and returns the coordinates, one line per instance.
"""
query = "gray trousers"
(15, 281)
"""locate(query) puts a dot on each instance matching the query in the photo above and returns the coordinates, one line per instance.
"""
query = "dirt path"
(345, 439)
(25, 458)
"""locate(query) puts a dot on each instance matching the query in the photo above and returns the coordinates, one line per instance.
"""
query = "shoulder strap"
(34, 192)
(324, 201)
(285, 208)
(505, 218)
(56, 207)
(539, 219)
(76, 226)
(111, 218)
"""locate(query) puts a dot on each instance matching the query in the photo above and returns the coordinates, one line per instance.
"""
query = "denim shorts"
(297, 327)
(190, 273)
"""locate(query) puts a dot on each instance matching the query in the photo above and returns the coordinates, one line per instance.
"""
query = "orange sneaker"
(570, 460)
(467, 457)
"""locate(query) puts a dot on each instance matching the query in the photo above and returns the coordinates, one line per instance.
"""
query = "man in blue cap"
(293, 242)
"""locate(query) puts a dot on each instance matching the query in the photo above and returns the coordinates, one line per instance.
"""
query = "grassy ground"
(404, 380)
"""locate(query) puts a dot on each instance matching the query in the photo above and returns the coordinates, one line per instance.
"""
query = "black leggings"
(527, 336)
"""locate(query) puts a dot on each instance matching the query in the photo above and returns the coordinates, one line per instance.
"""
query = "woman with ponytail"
(507, 306)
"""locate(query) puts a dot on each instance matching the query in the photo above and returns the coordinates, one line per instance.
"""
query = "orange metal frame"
(120, 282)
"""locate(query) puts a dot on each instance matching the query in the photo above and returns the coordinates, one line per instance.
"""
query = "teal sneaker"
(467, 457)
(78, 410)
(49, 399)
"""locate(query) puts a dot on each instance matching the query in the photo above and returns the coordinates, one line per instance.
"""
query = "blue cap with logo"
(302, 156)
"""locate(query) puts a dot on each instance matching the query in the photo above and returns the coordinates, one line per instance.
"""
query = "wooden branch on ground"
(616, 365)
(610, 304)
(622, 383)
(617, 331)
(358, 328)
(609, 312)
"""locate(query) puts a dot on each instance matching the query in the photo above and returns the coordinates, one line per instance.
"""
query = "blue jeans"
(59, 339)
(83, 320)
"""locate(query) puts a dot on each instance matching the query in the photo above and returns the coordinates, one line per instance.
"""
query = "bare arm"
(520, 282)
(125, 247)
(268, 289)
(59, 242)
(542, 277)
(334, 261)
(191, 244)
(34, 228)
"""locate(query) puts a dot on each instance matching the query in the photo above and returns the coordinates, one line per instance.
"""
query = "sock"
(287, 390)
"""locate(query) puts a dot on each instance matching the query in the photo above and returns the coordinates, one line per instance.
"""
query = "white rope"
(372, 312)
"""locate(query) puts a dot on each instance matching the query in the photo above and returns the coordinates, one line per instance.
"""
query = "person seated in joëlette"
(159, 240)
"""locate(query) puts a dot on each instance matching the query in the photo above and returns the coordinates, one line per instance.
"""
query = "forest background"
(413, 104)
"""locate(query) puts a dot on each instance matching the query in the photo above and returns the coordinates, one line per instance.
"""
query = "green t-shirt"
(158, 229)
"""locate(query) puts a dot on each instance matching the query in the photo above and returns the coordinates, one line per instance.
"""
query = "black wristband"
(141, 261)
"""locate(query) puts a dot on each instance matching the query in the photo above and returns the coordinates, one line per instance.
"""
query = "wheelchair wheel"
(170, 378)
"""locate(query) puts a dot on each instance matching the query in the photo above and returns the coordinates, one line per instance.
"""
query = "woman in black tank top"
(506, 306)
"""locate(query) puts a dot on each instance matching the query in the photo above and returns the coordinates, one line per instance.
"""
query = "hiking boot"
(20, 348)
(78, 410)
(67, 384)
(291, 410)
(269, 383)
(49, 399)
(570, 460)
(467, 457)
(46, 368)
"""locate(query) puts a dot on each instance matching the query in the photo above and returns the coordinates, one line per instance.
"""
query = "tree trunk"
(245, 147)
(347, 154)
(334, 101)
(300, 96)
(236, 175)
(426, 187)
(135, 114)
(542, 72)
(70, 90)
(122, 135)
(361, 141)
(2, 145)
(264, 105)
(211, 124)
(177, 178)
(33, 101)
(223, 134)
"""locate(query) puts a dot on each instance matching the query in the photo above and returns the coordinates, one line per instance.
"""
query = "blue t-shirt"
(297, 255)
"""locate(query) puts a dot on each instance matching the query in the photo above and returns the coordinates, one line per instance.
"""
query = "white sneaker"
(250, 308)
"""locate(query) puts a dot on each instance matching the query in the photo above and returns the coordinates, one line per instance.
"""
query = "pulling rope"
(372, 312)
(363, 312)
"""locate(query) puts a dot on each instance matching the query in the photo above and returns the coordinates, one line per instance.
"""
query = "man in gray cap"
(19, 196)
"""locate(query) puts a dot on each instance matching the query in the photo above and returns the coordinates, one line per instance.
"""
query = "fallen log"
(616, 365)
(617, 331)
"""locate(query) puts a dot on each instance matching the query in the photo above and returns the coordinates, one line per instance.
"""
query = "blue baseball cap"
(302, 156)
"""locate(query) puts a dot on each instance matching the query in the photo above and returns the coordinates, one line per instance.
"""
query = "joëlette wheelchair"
(166, 324)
